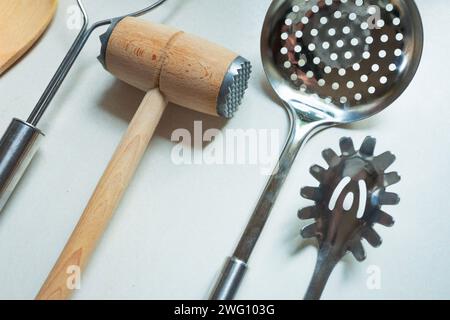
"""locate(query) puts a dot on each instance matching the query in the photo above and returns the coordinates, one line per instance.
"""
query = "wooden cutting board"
(22, 22)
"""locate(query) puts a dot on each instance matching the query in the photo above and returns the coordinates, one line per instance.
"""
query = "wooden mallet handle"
(106, 197)
(190, 72)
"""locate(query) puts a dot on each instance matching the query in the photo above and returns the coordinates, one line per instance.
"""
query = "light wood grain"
(189, 70)
(22, 22)
(106, 196)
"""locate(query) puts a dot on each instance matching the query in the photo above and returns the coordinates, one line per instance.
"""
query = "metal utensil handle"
(17, 147)
(300, 133)
(326, 262)
(230, 279)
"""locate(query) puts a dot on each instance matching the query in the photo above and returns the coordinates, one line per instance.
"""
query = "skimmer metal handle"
(233, 274)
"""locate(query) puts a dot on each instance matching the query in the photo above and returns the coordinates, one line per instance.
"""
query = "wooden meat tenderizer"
(169, 65)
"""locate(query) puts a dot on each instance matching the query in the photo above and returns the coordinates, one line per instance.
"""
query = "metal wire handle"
(72, 55)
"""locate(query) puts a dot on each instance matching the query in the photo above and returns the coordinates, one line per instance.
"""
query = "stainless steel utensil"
(332, 62)
(20, 141)
(348, 203)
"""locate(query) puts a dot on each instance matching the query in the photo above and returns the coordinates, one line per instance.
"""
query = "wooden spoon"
(22, 22)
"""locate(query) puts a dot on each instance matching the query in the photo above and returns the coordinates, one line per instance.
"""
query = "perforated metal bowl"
(347, 59)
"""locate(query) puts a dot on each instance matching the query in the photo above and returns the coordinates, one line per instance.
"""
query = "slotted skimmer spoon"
(332, 62)
(20, 141)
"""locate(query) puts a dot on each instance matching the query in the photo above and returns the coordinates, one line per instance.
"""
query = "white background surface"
(177, 224)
